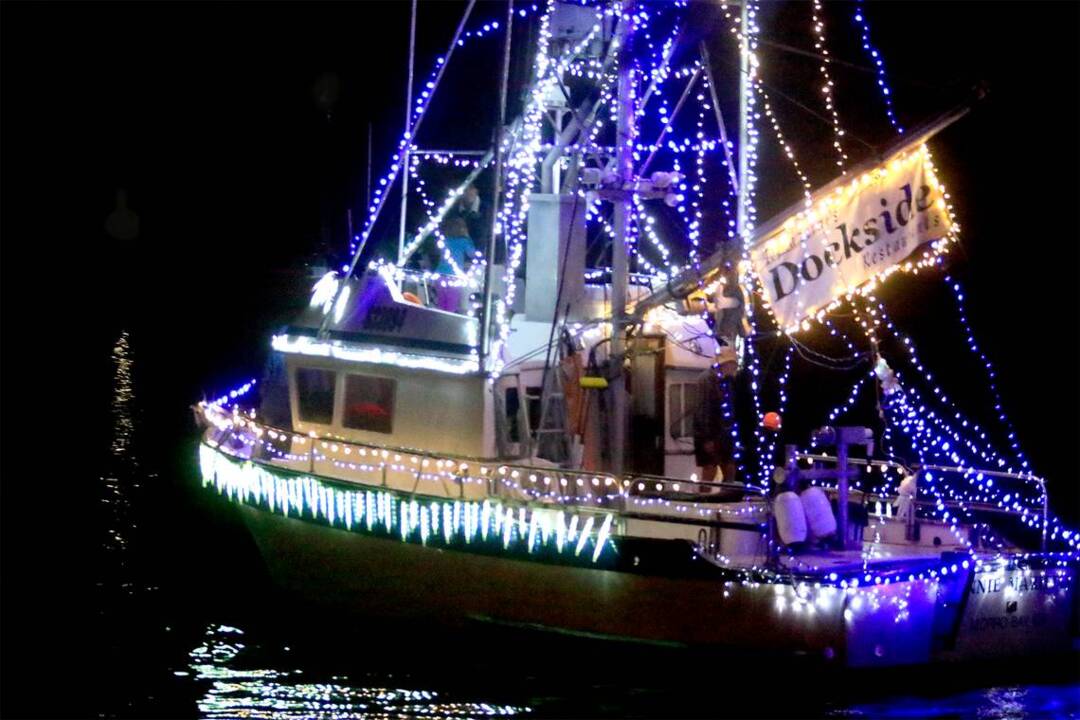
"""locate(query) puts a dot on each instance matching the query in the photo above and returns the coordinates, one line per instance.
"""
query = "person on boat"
(460, 249)
(459, 246)
(714, 445)
(468, 209)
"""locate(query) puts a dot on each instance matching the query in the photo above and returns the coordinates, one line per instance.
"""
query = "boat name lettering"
(786, 276)
(385, 319)
(1007, 622)
(1018, 584)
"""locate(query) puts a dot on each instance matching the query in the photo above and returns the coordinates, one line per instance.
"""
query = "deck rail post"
(842, 491)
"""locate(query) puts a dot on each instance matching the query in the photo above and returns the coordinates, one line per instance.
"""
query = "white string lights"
(818, 22)
(412, 518)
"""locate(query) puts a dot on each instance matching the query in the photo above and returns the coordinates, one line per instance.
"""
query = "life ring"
(410, 297)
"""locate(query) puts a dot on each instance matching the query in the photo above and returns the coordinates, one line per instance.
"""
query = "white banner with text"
(850, 236)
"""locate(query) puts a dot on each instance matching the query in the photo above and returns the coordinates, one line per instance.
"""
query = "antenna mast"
(500, 134)
(624, 139)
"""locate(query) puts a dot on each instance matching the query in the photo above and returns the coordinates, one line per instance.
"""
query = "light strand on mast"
(817, 15)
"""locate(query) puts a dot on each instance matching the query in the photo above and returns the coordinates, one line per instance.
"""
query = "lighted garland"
(404, 144)
(914, 424)
(818, 22)
(322, 505)
(859, 17)
(487, 524)
(988, 453)
(999, 407)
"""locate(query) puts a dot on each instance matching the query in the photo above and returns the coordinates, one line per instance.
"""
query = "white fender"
(790, 518)
(905, 501)
(819, 514)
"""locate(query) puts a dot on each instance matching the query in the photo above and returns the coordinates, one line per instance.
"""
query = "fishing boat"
(509, 439)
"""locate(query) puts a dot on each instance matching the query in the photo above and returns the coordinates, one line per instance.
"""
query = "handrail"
(919, 467)
(668, 488)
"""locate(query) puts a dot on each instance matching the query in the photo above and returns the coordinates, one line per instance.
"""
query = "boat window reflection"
(315, 395)
(369, 403)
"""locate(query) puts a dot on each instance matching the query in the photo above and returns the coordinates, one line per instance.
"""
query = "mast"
(408, 132)
(744, 121)
(367, 184)
(500, 134)
(624, 137)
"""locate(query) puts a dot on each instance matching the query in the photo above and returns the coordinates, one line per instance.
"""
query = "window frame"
(685, 416)
(393, 384)
(300, 416)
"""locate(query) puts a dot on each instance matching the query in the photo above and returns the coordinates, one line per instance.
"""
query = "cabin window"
(682, 401)
(533, 405)
(315, 395)
(513, 408)
(369, 403)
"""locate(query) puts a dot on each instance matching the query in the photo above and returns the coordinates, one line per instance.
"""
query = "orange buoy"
(410, 297)
(772, 421)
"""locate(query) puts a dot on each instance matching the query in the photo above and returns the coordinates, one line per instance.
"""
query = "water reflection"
(234, 689)
(121, 477)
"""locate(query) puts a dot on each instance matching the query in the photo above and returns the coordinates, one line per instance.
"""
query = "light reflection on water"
(123, 467)
(121, 476)
(233, 689)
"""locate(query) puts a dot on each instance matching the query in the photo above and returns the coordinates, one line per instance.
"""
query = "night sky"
(206, 114)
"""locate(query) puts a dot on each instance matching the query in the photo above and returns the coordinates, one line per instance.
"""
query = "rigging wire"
(853, 66)
(808, 110)
(821, 360)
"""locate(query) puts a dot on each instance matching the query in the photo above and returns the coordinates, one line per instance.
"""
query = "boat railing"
(917, 469)
(423, 472)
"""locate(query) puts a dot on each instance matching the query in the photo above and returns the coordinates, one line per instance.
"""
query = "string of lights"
(818, 22)
(859, 17)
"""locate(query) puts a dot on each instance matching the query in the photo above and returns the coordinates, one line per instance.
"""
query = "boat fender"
(819, 514)
(905, 502)
(790, 518)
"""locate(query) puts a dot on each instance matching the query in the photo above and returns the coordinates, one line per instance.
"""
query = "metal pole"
(624, 139)
(842, 492)
(719, 117)
(1046, 512)
(500, 131)
(434, 222)
(426, 151)
(367, 185)
(744, 121)
(395, 169)
(408, 132)
(668, 124)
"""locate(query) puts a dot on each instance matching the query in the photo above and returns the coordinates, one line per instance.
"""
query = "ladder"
(552, 437)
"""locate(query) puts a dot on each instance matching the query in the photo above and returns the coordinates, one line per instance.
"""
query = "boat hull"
(370, 578)
(377, 577)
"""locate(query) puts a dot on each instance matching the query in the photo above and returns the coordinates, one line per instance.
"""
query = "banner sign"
(850, 236)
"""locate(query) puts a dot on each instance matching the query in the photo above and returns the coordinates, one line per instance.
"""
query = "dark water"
(183, 622)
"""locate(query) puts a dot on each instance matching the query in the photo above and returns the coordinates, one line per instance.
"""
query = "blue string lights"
(859, 16)
(973, 346)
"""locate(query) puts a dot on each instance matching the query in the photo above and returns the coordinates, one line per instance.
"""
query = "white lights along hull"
(358, 552)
